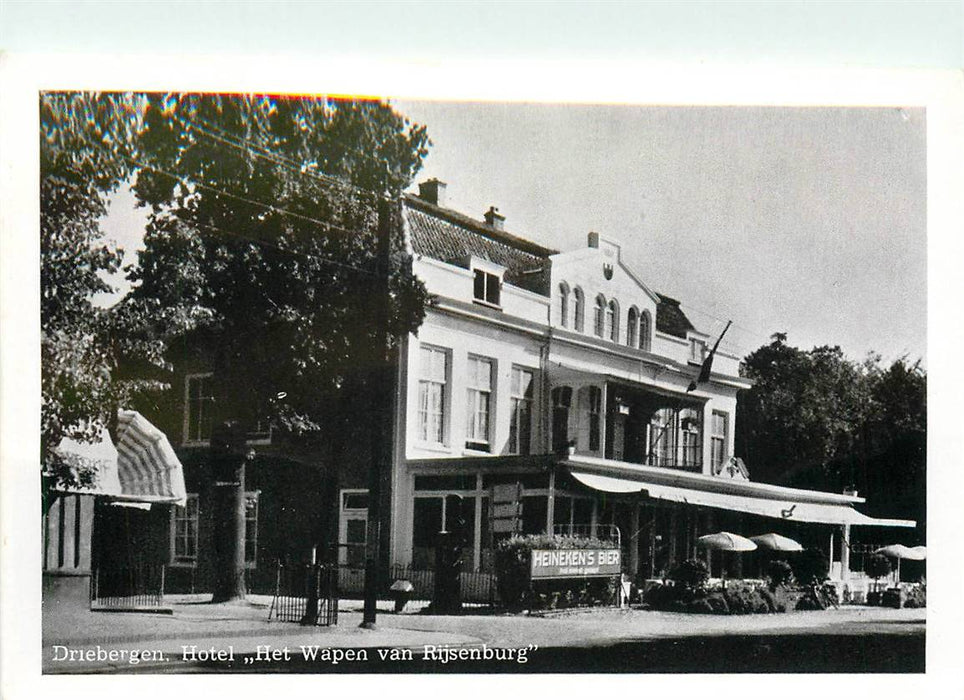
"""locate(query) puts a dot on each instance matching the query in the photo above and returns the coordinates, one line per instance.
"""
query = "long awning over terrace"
(779, 502)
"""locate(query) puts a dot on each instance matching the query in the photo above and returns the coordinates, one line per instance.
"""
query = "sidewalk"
(238, 629)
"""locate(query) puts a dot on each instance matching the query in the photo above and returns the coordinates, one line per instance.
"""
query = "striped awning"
(147, 467)
(140, 467)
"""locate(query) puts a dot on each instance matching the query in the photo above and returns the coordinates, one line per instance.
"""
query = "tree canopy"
(260, 246)
(85, 144)
(817, 419)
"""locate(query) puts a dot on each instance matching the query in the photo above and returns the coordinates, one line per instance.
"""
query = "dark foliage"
(513, 558)
(779, 573)
(877, 566)
(260, 247)
(691, 573)
(810, 567)
(816, 419)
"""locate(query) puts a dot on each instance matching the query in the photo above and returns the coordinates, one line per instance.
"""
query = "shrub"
(692, 573)
(916, 597)
(810, 567)
(742, 598)
(513, 559)
(893, 598)
(779, 573)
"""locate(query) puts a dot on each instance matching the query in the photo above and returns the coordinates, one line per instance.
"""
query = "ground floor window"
(433, 515)
(184, 532)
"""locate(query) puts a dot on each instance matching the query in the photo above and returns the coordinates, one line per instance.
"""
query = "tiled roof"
(449, 236)
(670, 318)
(452, 237)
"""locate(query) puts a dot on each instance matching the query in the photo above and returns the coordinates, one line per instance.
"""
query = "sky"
(809, 221)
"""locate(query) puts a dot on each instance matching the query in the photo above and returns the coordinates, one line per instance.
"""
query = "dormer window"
(487, 282)
(697, 350)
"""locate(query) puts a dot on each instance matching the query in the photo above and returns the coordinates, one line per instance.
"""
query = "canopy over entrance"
(140, 468)
(781, 503)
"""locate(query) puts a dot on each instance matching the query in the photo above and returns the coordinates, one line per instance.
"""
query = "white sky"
(805, 220)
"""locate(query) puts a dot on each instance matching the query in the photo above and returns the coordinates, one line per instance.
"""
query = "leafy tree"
(817, 419)
(264, 232)
(275, 221)
(877, 566)
(86, 142)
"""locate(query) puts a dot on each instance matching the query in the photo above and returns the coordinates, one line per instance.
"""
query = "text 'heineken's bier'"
(573, 563)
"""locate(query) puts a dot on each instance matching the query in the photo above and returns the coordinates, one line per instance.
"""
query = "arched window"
(612, 321)
(563, 304)
(600, 316)
(645, 331)
(579, 314)
(631, 319)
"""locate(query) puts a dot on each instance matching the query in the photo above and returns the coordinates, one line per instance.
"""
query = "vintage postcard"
(362, 380)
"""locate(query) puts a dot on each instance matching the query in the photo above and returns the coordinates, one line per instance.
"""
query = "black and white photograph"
(370, 381)
(321, 393)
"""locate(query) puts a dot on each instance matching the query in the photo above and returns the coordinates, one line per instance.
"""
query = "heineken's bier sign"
(574, 563)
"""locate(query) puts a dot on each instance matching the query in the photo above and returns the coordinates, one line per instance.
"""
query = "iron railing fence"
(139, 585)
(477, 587)
(307, 594)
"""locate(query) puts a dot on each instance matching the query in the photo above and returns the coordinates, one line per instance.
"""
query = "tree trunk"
(228, 459)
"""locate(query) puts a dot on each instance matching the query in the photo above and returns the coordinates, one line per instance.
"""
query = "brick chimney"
(432, 191)
(494, 219)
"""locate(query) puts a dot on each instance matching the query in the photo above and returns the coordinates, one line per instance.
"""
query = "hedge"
(513, 560)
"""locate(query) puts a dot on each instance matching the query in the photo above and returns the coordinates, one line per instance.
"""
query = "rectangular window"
(433, 374)
(697, 350)
(662, 431)
(184, 532)
(478, 403)
(251, 527)
(595, 411)
(198, 408)
(718, 435)
(486, 287)
(690, 433)
(561, 403)
(520, 422)
(434, 514)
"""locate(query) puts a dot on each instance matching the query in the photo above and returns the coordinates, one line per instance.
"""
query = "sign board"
(575, 563)
(505, 514)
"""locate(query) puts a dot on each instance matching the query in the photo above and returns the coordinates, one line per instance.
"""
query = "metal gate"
(138, 586)
(307, 594)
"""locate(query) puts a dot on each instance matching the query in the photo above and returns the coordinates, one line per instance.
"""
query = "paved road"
(845, 640)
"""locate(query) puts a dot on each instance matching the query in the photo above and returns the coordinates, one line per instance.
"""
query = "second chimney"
(494, 219)
(432, 191)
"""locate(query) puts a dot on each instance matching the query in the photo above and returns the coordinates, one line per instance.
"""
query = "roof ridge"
(459, 219)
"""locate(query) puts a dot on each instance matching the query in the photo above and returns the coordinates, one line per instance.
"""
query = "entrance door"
(353, 528)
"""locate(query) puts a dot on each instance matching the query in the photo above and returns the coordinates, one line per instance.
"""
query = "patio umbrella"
(778, 543)
(725, 542)
(921, 552)
(898, 552)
